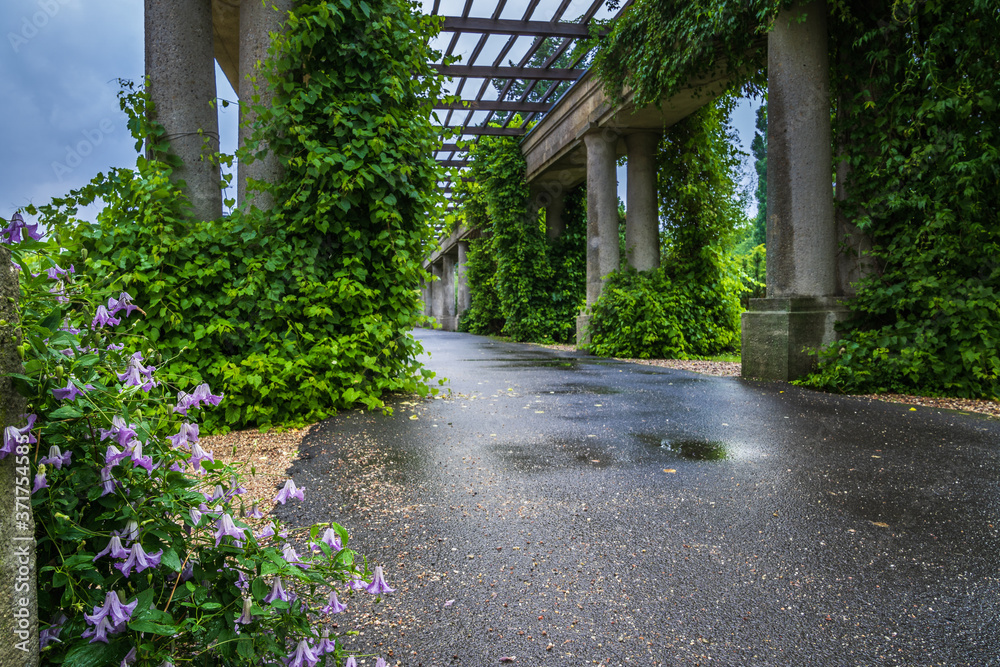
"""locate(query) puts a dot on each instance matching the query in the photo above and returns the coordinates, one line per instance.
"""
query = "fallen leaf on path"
(880, 524)
(508, 658)
(669, 470)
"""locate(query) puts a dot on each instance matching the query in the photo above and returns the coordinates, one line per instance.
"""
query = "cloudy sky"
(60, 61)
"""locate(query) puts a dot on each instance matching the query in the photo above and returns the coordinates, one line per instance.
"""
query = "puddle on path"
(579, 388)
(549, 455)
(688, 448)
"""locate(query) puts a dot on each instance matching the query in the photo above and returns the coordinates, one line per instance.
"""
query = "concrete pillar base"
(449, 323)
(779, 333)
(583, 329)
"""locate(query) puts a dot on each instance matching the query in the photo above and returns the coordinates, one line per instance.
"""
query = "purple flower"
(303, 655)
(246, 617)
(198, 455)
(356, 583)
(113, 615)
(255, 513)
(116, 346)
(51, 633)
(266, 531)
(195, 515)
(131, 531)
(114, 456)
(187, 433)
(325, 645)
(122, 430)
(139, 560)
(187, 573)
(71, 392)
(138, 375)
(277, 593)
(14, 436)
(380, 662)
(333, 605)
(227, 527)
(40, 483)
(201, 394)
(288, 492)
(56, 458)
(332, 539)
(138, 460)
(54, 272)
(108, 483)
(129, 658)
(114, 549)
(379, 585)
(103, 318)
(288, 553)
(350, 662)
(124, 300)
(12, 233)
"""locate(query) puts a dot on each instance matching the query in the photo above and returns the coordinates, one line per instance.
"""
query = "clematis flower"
(187, 573)
(289, 491)
(56, 458)
(138, 460)
(51, 633)
(71, 392)
(266, 531)
(333, 605)
(303, 655)
(201, 394)
(380, 662)
(277, 593)
(108, 483)
(246, 617)
(356, 583)
(187, 433)
(117, 347)
(131, 531)
(332, 540)
(114, 612)
(350, 662)
(120, 429)
(129, 658)
(198, 455)
(227, 527)
(255, 513)
(12, 233)
(139, 560)
(123, 302)
(114, 549)
(195, 515)
(288, 553)
(325, 645)
(40, 482)
(379, 585)
(14, 436)
(55, 272)
(137, 375)
(114, 456)
(103, 318)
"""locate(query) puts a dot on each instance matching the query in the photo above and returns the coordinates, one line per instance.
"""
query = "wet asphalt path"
(560, 509)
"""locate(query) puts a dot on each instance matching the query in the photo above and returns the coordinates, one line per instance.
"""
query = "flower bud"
(59, 372)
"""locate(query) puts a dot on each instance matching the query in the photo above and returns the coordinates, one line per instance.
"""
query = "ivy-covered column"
(554, 223)
(800, 310)
(257, 21)
(180, 65)
(602, 222)
(642, 229)
(464, 296)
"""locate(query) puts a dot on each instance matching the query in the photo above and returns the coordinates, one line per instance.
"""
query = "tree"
(759, 149)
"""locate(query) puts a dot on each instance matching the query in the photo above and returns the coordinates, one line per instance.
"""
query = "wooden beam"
(493, 105)
(490, 131)
(453, 163)
(449, 148)
(528, 73)
(514, 27)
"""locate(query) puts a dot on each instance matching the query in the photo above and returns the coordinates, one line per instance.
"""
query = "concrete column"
(642, 220)
(464, 297)
(602, 221)
(437, 291)
(257, 21)
(180, 64)
(800, 310)
(448, 320)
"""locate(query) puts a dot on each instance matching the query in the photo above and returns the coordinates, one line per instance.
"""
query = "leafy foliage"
(529, 287)
(129, 510)
(691, 305)
(302, 310)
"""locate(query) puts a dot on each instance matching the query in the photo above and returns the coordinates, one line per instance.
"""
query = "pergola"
(489, 81)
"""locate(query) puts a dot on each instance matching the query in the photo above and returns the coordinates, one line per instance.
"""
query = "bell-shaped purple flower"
(56, 458)
(114, 611)
(139, 560)
(138, 460)
(188, 433)
(332, 539)
(55, 271)
(114, 549)
(246, 617)
(123, 302)
(289, 491)
(13, 233)
(356, 583)
(333, 605)
(291, 557)
(266, 531)
(201, 394)
(122, 431)
(71, 392)
(379, 585)
(108, 483)
(103, 318)
(325, 645)
(380, 662)
(14, 436)
(277, 592)
(137, 375)
(304, 656)
(350, 662)
(227, 527)
(51, 633)
(255, 512)
(40, 482)
(130, 533)
(100, 631)
(198, 455)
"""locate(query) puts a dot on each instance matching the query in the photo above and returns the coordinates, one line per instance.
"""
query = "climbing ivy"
(299, 311)
(520, 283)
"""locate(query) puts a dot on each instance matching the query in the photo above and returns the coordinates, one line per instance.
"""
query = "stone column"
(464, 295)
(448, 322)
(257, 21)
(642, 220)
(437, 292)
(602, 222)
(180, 64)
(800, 309)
